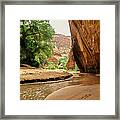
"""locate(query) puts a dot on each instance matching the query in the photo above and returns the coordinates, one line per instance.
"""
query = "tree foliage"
(36, 43)
(63, 62)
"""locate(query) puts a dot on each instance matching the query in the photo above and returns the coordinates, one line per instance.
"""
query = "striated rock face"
(85, 35)
(71, 61)
(63, 43)
(62, 47)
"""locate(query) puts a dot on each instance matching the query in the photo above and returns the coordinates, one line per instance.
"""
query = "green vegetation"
(76, 68)
(52, 65)
(61, 64)
(36, 43)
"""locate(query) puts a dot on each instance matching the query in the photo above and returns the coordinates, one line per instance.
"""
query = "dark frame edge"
(117, 27)
(61, 117)
(0, 66)
(61, 2)
(3, 60)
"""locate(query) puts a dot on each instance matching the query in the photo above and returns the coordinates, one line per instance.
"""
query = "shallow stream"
(39, 91)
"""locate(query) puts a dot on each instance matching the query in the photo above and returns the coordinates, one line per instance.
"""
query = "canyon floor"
(37, 84)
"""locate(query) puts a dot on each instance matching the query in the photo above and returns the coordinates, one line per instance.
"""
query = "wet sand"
(76, 92)
(39, 91)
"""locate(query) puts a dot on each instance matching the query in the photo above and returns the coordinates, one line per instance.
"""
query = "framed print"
(59, 59)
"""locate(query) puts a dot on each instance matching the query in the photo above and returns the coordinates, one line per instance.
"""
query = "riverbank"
(40, 90)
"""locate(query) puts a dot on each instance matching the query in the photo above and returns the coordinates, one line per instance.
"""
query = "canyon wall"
(85, 36)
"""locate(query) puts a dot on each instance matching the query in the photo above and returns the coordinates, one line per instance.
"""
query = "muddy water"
(39, 91)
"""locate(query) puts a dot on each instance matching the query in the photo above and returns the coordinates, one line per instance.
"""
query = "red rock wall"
(85, 35)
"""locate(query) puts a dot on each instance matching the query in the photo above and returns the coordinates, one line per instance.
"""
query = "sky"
(61, 27)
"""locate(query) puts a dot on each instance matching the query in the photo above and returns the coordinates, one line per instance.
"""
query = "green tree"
(36, 43)
(62, 62)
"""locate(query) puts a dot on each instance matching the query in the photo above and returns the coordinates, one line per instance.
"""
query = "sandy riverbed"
(39, 91)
